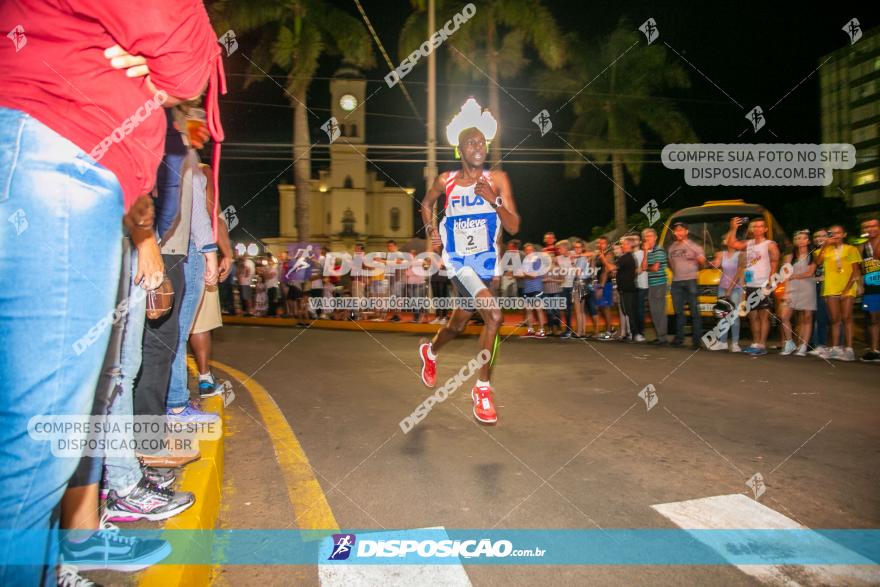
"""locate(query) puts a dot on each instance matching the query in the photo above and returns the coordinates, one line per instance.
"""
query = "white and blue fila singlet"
(470, 231)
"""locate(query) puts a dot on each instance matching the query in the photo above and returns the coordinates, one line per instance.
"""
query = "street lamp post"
(431, 168)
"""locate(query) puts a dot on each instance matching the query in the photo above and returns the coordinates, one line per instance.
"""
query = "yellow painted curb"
(203, 478)
(309, 502)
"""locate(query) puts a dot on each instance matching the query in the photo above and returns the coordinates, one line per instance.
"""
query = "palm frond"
(511, 55)
(243, 17)
(260, 57)
(343, 33)
(412, 34)
(283, 48)
(305, 61)
(538, 25)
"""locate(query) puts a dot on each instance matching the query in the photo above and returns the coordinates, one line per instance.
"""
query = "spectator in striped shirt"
(654, 263)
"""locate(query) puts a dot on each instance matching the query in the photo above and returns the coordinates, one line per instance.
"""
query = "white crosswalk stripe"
(740, 512)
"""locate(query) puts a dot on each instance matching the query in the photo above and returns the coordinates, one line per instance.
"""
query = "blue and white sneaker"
(208, 388)
(191, 413)
(755, 350)
(109, 549)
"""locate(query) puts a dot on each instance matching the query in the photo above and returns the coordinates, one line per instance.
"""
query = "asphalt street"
(575, 445)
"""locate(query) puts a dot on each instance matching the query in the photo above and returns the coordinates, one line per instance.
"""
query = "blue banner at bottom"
(493, 547)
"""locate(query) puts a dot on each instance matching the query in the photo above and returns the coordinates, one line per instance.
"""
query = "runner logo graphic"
(650, 30)
(230, 216)
(543, 121)
(854, 30)
(229, 42)
(652, 211)
(19, 221)
(227, 393)
(331, 127)
(649, 395)
(19, 40)
(756, 484)
(756, 117)
(342, 546)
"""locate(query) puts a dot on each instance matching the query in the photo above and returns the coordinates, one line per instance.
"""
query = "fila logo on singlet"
(465, 201)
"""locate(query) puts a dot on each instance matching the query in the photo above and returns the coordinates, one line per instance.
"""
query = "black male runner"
(479, 203)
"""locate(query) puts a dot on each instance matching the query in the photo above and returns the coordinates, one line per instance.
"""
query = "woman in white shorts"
(800, 296)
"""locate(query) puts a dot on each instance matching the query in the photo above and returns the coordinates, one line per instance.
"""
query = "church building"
(348, 203)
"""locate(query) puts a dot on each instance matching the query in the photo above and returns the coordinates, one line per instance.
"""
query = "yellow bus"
(707, 225)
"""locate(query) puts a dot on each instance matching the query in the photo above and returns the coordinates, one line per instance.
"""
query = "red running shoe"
(484, 407)
(429, 365)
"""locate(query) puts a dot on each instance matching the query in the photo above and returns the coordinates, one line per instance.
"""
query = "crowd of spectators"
(610, 289)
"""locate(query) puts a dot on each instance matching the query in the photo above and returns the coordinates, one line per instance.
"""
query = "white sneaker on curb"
(717, 346)
(788, 348)
(639, 338)
(819, 351)
(734, 348)
(68, 576)
(836, 353)
(802, 351)
(848, 354)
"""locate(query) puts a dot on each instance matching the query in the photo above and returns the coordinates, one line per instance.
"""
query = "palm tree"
(619, 103)
(492, 43)
(293, 35)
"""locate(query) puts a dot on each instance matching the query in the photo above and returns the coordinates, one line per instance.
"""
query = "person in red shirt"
(80, 142)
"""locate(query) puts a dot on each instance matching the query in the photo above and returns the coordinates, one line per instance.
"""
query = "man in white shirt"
(270, 278)
(641, 285)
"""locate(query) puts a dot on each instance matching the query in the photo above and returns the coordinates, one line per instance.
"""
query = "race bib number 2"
(472, 240)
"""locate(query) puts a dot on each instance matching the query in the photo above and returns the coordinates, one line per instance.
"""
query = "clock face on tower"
(348, 102)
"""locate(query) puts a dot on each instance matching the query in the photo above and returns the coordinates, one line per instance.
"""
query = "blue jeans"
(123, 472)
(736, 295)
(194, 274)
(685, 292)
(60, 235)
(91, 466)
(820, 320)
(553, 315)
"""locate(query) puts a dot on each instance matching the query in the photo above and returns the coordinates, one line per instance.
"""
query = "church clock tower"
(347, 164)
(347, 203)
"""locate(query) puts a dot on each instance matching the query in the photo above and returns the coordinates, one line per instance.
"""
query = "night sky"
(754, 52)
